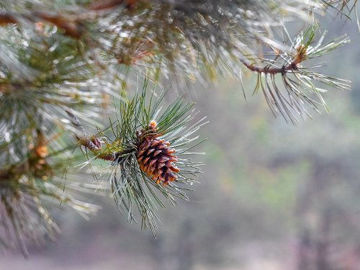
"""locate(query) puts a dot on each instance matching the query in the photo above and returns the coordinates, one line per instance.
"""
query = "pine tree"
(90, 75)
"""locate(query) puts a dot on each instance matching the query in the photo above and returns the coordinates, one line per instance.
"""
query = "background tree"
(68, 66)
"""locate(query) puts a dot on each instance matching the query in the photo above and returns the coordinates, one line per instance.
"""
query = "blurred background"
(273, 196)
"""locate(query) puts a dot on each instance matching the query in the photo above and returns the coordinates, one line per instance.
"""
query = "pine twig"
(145, 144)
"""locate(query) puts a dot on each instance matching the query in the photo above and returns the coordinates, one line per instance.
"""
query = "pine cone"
(155, 156)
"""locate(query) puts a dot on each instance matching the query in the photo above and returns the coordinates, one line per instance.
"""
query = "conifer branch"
(110, 4)
(95, 147)
(6, 18)
(143, 146)
(295, 77)
(23, 188)
(58, 64)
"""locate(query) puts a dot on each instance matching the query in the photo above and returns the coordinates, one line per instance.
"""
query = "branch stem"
(96, 149)
(272, 70)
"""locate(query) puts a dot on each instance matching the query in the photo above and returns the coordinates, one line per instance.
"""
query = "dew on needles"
(64, 64)
(149, 149)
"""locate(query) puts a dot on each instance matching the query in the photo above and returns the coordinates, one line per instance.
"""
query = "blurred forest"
(273, 196)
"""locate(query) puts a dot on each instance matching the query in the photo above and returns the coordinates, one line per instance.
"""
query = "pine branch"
(23, 188)
(200, 40)
(296, 78)
(145, 146)
(6, 18)
(58, 62)
(110, 4)
(95, 147)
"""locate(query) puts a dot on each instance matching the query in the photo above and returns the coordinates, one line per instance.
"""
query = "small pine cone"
(155, 157)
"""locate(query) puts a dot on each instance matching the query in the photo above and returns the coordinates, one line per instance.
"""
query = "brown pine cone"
(156, 158)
